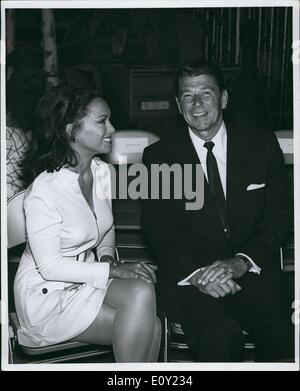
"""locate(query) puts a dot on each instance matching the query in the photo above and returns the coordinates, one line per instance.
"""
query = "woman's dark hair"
(200, 67)
(50, 145)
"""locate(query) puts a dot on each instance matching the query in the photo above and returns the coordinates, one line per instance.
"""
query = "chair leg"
(11, 345)
(167, 340)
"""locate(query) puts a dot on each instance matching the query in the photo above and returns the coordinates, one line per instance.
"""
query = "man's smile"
(202, 114)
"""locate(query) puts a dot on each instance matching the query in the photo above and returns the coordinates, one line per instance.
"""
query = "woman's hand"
(109, 259)
(133, 270)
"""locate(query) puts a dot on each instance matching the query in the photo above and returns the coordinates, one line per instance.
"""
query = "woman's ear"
(69, 129)
(72, 131)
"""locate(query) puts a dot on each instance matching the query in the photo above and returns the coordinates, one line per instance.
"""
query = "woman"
(61, 291)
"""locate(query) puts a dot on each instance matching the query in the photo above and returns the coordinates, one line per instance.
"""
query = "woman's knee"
(130, 292)
(141, 290)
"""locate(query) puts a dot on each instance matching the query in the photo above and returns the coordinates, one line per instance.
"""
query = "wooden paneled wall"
(274, 50)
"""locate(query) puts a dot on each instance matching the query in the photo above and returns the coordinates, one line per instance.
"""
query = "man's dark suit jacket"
(181, 241)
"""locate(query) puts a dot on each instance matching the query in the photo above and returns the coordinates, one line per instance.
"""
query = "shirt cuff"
(185, 280)
(101, 275)
(254, 268)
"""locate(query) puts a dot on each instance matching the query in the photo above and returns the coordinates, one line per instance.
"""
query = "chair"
(62, 352)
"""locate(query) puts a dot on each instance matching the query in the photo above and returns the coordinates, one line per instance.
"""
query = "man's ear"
(224, 99)
(178, 105)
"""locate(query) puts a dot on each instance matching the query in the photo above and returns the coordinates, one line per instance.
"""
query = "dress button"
(45, 290)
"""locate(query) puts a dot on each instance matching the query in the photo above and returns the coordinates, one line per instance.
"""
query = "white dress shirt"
(220, 153)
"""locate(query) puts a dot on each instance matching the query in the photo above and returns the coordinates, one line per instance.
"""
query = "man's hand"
(223, 271)
(215, 289)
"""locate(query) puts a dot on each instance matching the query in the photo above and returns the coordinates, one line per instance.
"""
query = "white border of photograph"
(296, 91)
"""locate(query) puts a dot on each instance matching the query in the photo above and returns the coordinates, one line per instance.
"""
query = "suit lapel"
(185, 153)
(184, 148)
(236, 156)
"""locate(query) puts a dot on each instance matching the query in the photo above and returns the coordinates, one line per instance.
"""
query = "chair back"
(128, 146)
(16, 231)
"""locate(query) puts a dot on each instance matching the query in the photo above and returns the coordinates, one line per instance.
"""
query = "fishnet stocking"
(128, 321)
(135, 320)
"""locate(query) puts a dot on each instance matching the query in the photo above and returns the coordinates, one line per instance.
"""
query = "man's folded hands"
(216, 279)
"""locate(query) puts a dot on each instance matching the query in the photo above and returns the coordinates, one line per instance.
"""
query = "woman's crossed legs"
(127, 320)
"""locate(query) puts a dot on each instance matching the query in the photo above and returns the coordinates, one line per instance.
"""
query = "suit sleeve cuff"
(185, 280)
(255, 268)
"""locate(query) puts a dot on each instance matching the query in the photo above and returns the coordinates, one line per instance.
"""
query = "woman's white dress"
(60, 286)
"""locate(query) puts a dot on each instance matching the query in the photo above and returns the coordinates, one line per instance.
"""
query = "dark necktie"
(215, 186)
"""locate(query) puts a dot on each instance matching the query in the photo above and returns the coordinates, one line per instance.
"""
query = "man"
(219, 267)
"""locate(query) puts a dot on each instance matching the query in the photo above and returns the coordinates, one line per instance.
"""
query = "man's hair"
(200, 67)
(50, 145)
